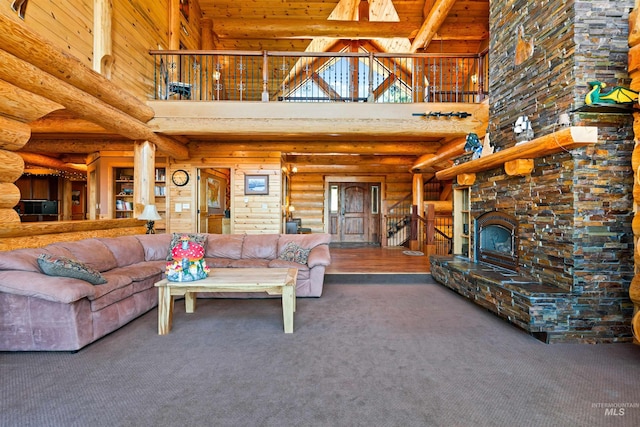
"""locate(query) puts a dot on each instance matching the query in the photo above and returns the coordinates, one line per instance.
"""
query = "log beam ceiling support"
(257, 28)
(437, 16)
(29, 77)
(51, 162)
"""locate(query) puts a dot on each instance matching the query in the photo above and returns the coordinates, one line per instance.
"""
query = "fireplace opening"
(496, 240)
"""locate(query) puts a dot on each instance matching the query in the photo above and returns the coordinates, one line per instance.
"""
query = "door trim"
(349, 178)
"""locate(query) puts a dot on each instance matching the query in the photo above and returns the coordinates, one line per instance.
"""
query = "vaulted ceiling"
(394, 26)
(435, 26)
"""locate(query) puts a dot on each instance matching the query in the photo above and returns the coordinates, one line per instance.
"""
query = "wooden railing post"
(429, 232)
(265, 77)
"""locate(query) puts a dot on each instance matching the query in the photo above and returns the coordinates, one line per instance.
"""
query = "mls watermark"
(615, 409)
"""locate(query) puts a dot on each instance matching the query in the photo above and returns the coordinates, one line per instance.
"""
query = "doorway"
(213, 200)
(354, 212)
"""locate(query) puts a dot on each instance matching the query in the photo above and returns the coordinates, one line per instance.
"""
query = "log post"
(144, 161)
(418, 201)
(430, 229)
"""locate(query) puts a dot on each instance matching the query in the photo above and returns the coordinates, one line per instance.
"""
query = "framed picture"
(256, 184)
(216, 197)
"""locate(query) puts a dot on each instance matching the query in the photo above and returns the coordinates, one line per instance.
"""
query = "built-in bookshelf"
(160, 193)
(123, 190)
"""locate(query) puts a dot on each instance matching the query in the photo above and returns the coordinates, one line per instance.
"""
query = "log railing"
(209, 75)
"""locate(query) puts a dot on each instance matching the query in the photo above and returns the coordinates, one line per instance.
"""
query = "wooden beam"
(259, 28)
(11, 166)
(437, 15)
(363, 160)
(13, 134)
(9, 195)
(238, 149)
(81, 146)
(51, 162)
(563, 140)
(83, 105)
(442, 158)
(27, 45)
(306, 120)
(23, 105)
(57, 125)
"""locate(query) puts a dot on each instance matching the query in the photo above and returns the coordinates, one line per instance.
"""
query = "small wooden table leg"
(288, 307)
(190, 302)
(165, 310)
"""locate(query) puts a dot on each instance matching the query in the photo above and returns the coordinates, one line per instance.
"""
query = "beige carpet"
(361, 355)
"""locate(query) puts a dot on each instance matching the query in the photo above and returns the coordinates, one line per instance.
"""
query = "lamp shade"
(150, 213)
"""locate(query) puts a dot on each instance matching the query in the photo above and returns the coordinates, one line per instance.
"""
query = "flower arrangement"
(188, 262)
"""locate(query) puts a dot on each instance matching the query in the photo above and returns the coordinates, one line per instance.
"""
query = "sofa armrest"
(319, 255)
(50, 288)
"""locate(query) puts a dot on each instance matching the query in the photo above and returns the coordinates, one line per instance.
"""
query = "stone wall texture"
(576, 208)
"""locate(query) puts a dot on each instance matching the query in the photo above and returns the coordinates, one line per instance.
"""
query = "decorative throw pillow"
(56, 265)
(295, 253)
(176, 239)
(188, 262)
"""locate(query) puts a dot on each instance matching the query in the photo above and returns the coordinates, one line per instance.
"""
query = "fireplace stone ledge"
(548, 313)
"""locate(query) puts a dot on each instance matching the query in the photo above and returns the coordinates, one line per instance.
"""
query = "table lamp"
(150, 213)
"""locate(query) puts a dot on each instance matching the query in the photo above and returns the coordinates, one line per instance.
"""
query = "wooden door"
(203, 213)
(354, 215)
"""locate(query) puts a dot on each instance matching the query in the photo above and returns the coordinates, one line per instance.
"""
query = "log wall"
(251, 214)
(37, 235)
(137, 28)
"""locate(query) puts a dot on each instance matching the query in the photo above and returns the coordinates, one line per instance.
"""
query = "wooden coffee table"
(273, 281)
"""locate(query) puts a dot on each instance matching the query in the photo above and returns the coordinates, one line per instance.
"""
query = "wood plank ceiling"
(432, 26)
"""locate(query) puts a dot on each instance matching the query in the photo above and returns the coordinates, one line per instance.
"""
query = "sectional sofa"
(41, 312)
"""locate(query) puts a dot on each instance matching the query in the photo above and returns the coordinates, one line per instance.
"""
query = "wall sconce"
(294, 169)
(216, 75)
(150, 214)
(290, 211)
(474, 78)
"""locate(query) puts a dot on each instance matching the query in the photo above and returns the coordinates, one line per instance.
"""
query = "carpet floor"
(361, 355)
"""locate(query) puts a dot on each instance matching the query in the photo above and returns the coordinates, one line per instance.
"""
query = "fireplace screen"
(496, 240)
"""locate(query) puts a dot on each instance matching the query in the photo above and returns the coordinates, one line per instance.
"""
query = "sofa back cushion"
(20, 259)
(91, 252)
(224, 246)
(155, 246)
(126, 249)
(263, 246)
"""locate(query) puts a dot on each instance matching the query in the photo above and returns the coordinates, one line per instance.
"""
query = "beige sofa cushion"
(262, 246)
(224, 246)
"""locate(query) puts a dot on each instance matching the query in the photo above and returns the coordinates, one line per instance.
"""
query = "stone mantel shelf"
(562, 140)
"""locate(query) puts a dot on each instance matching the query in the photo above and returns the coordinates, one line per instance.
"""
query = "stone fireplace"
(496, 240)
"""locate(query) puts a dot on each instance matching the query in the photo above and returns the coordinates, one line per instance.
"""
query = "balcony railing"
(319, 77)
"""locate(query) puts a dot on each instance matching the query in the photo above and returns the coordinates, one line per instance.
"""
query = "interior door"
(203, 214)
(353, 218)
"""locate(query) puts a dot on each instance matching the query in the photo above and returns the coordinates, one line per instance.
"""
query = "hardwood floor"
(375, 260)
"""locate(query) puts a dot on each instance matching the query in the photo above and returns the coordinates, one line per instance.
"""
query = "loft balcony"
(330, 77)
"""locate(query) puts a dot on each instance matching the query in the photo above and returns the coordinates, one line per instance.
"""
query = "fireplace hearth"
(496, 240)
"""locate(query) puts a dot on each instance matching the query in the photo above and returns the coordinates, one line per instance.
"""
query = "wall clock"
(180, 177)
